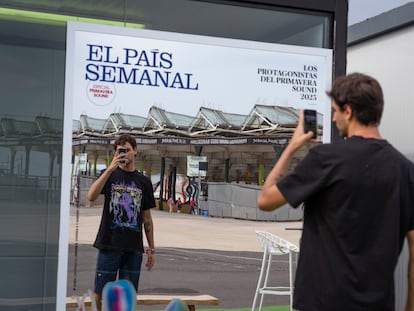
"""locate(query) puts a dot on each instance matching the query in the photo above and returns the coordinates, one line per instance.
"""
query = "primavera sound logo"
(101, 93)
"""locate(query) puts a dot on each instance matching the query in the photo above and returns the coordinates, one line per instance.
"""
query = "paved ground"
(195, 254)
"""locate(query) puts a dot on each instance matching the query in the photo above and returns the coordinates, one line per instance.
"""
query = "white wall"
(390, 59)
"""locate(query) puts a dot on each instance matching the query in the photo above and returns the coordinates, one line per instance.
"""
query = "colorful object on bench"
(118, 296)
(190, 300)
(176, 305)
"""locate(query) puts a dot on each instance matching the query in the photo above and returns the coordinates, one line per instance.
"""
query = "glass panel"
(229, 21)
(279, 115)
(214, 117)
(132, 121)
(235, 119)
(31, 115)
(267, 24)
(93, 124)
(179, 119)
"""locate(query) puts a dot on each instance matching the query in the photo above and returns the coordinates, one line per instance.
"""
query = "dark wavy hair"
(362, 93)
(125, 138)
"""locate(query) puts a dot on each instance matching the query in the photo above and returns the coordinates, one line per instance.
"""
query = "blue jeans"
(110, 263)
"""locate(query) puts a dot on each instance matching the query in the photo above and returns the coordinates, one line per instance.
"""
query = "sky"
(360, 10)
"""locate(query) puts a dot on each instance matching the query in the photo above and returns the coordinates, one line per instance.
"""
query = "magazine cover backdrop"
(123, 70)
(113, 69)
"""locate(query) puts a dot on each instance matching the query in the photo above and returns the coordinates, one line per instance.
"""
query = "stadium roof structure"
(41, 127)
(262, 121)
(164, 134)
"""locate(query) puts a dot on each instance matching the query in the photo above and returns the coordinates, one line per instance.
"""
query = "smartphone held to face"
(310, 121)
(123, 151)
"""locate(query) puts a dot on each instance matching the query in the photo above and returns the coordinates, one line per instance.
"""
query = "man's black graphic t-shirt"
(127, 194)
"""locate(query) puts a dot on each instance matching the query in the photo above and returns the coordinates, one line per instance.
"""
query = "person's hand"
(150, 260)
(116, 161)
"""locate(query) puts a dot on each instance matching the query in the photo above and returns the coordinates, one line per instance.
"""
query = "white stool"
(274, 245)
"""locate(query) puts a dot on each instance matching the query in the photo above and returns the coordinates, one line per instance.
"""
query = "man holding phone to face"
(129, 197)
(359, 206)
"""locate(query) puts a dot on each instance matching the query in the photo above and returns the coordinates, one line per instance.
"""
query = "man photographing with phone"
(359, 206)
(129, 197)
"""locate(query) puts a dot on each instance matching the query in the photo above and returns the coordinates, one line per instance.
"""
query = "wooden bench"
(190, 300)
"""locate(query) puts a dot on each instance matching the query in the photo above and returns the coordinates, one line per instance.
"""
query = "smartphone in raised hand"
(123, 151)
(311, 123)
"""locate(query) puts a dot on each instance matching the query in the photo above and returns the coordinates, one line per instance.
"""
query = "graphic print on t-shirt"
(125, 205)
